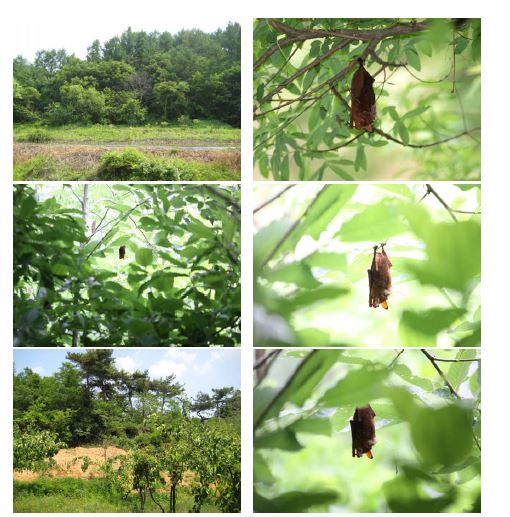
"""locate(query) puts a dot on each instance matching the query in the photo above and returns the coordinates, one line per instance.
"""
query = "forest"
(157, 92)
(423, 79)
(313, 246)
(93, 437)
(425, 447)
(126, 265)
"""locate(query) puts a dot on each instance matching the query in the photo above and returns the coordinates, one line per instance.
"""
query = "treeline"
(133, 79)
(89, 400)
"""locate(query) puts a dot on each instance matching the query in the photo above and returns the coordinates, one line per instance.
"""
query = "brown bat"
(363, 110)
(122, 252)
(379, 279)
(363, 432)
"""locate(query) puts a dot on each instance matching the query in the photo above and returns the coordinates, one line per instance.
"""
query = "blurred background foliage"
(427, 455)
(179, 283)
(313, 245)
(427, 88)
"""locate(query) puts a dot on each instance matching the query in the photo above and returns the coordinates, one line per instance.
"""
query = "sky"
(74, 26)
(199, 369)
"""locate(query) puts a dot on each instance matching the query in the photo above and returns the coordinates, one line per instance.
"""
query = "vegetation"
(313, 246)
(201, 131)
(178, 285)
(427, 91)
(134, 78)
(428, 419)
(165, 432)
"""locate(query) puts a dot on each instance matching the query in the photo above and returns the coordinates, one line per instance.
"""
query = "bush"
(184, 120)
(38, 136)
(135, 165)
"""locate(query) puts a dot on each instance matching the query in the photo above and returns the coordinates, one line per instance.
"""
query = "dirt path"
(177, 145)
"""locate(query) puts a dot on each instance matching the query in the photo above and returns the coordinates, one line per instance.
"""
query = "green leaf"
(327, 260)
(375, 223)
(266, 239)
(302, 382)
(453, 251)
(297, 273)
(421, 328)
(293, 502)
(284, 439)
(143, 256)
(358, 387)
(442, 437)
(413, 58)
(313, 425)
(403, 132)
(404, 372)
(307, 298)
(457, 372)
(360, 162)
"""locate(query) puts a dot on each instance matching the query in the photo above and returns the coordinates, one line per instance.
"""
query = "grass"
(203, 151)
(71, 495)
(199, 131)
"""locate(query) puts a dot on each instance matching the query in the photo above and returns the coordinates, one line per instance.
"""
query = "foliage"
(312, 249)
(133, 77)
(68, 495)
(427, 455)
(33, 449)
(427, 88)
(135, 165)
(97, 133)
(179, 284)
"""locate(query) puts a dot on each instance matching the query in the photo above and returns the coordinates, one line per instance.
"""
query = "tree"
(172, 96)
(302, 77)
(203, 405)
(179, 284)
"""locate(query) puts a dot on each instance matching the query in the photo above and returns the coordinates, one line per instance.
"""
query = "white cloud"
(166, 367)
(38, 369)
(182, 356)
(126, 363)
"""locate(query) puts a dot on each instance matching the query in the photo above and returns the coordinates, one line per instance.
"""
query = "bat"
(363, 432)
(122, 252)
(363, 110)
(379, 279)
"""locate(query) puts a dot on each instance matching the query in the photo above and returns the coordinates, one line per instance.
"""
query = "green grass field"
(71, 495)
(203, 151)
(97, 134)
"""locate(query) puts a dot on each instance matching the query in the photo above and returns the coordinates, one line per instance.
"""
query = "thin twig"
(274, 198)
(395, 359)
(283, 389)
(292, 228)
(432, 359)
(431, 190)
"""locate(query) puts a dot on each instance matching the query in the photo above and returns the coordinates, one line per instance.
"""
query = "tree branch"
(432, 359)
(292, 228)
(274, 198)
(430, 190)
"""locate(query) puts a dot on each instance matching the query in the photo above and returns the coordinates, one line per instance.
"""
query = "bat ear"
(384, 304)
(369, 455)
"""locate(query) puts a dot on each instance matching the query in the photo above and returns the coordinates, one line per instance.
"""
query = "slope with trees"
(89, 401)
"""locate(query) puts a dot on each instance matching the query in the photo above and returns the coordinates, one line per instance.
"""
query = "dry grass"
(82, 157)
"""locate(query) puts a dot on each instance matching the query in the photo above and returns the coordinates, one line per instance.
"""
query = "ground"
(210, 151)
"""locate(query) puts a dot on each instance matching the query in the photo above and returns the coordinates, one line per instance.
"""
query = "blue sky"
(198, 369)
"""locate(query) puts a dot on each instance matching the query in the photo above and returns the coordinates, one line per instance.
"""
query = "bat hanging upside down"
(379, 279)
(363, 432)
(122, 252)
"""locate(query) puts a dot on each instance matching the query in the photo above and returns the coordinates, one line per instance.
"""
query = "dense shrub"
(135, 165)
(38, 136)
